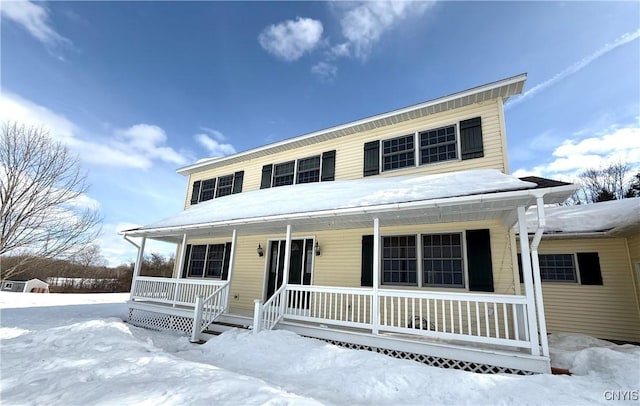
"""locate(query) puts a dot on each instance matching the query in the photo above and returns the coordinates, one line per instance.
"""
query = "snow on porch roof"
(337, 197)
(588, 218)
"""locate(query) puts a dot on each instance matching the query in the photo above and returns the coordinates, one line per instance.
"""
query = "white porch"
(484, 331)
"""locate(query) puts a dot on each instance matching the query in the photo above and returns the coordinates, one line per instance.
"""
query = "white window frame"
(576, 268)
(419, 265)
(295, 170)
(204, 267)
(456, 130)
(266, 261)
(382, 155)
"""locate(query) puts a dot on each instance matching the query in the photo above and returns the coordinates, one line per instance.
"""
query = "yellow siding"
(339, 263)
(350, 156)
(607, 311)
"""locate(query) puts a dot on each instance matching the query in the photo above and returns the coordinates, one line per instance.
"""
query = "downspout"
(537, 283)
(138, 265)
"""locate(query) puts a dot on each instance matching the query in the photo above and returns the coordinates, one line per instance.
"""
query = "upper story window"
(438, 145)
(304, 170)
(398, 152)
(452, 142)
(309, 170)
(203, 190)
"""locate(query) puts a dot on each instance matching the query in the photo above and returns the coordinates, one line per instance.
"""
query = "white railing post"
(181, 265)
(137, 267)
(528, 281)
(257, 315)
(375, 311)
(197, 320)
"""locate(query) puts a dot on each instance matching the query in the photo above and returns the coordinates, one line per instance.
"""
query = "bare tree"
(91, 255)
(41, 186)
(606, 183)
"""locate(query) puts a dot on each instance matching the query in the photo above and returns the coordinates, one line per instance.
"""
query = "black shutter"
(266, 176)
(366, 278)
(185, 264)
(195, 192)
(237, 182)
(328, 166)
(372, 158)
(589, 264)
(479, 260)
(225, 264)
(471, 138)
(520, 274)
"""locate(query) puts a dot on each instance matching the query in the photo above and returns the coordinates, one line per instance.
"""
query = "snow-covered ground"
(66, 349)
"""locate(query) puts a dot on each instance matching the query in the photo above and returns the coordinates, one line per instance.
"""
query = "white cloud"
(136, 147)
(364, 24)
(290, 40)
(572, 157)
(214, 144)
(34, 18)
(325, 70)
(584, 62)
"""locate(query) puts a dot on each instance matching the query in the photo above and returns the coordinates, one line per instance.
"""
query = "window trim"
(382, 154)
(296, 170)
(215, 189)
(8, 285)
(456, 131)
(420, 265)
(576, 268)
(204, 267)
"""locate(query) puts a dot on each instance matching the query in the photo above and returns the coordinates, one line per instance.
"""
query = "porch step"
(218, 327)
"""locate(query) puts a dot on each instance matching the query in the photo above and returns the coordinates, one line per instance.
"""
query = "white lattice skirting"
(160, 321)
(431, 360)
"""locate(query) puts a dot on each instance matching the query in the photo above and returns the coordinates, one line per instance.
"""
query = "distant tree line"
(84, 274)
(613, 182)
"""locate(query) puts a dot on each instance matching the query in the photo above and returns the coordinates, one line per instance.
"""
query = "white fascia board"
(186, 170)
(521, 197)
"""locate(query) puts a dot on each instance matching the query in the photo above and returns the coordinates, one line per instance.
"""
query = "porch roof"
(418, 199)
(616, 217)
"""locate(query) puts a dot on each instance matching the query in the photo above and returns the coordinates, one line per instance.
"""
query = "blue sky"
(139, 89)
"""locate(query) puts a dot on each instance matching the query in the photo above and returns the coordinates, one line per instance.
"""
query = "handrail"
(265, 318)
(182, 280)
(207, 310)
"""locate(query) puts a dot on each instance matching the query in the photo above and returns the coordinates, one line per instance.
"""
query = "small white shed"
(32, 286)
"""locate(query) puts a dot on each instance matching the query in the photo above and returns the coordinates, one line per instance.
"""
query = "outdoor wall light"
(317, 249)
(260, 251)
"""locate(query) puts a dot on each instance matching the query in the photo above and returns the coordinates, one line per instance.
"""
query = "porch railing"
(173, 291)
(469, 317)
(208, 309)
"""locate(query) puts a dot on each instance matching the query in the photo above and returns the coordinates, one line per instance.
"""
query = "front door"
(300, 264)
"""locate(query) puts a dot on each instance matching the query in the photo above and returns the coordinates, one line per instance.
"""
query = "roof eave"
(511, 86)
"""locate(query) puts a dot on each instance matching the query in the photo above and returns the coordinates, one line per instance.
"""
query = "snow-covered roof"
(588, 218)
(504, 89)
(326, 199)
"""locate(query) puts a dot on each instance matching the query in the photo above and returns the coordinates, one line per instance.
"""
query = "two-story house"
(394, 233)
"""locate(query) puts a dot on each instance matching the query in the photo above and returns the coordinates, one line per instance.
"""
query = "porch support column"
(183, 254)
(232, 258)
(528, 281)
(375, 311)
(138, 267)
(285, 271)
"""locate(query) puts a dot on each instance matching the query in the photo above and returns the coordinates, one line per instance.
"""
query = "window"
(206, 261)
(8, 285)
(557, 267)
(304, 170)
(207, 189)
(309, 170)
(442, 260)
(438, 145)
(399, 260)
(283, 173)
(398, 153)
(458, 141)
(225, 185)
